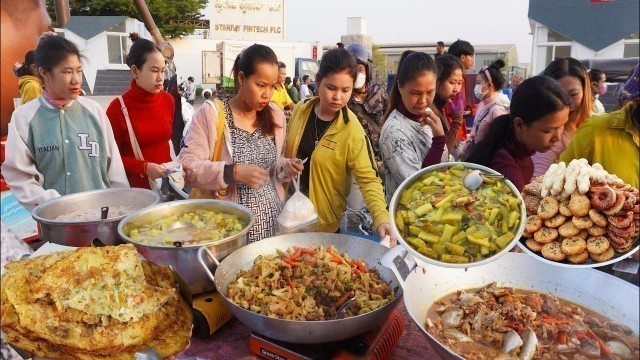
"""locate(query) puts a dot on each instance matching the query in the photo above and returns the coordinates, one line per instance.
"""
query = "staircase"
(111, 82)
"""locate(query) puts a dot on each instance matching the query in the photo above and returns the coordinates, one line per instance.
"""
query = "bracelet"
(229, 173)
(235, 172)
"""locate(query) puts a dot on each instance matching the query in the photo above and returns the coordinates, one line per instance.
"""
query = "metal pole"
(62, 12)
(148, 21)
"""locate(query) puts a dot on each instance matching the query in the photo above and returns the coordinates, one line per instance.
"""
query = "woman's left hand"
(385, 230)
(293, 167)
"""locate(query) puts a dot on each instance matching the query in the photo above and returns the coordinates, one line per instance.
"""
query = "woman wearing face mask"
(412, 136)
(538, 113)
(150, 111)
(325, 131)
(61, 144)
(573, 77)
(448, 91)
(252, 142)
(598, 88)
(489, 82)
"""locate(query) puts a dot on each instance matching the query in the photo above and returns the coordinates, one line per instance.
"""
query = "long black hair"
(246, 63)
(335, 61)
(446, 65)
(139, 50)
(411, 64)
(25, 67)
(52, 50)
(569, 66)
(535, 98)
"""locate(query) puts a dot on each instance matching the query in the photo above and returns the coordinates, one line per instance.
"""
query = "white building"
(104, 41)
(583, 29)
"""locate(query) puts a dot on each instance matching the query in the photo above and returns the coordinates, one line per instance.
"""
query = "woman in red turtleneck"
(150, 111)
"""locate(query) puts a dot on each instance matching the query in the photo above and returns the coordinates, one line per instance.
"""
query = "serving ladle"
(179, 225)
(474, 179)
(342, 310)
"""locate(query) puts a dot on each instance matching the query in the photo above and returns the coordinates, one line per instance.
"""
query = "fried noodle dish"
(308, 284)
(505, 323)
(93, 303)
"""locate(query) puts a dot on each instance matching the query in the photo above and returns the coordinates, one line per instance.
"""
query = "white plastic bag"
(298, 214)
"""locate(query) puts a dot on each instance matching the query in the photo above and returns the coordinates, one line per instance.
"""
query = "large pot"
(184, 259)
(82, 233)
(608, 295)
(305, 332)
(395, 200)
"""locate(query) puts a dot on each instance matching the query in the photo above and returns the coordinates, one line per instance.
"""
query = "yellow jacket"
(344, 151)
(611, 140)
(30, 88)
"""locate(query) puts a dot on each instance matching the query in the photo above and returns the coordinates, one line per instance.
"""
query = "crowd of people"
(350, 143)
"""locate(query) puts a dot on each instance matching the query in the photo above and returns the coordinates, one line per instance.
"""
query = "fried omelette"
(33, 322)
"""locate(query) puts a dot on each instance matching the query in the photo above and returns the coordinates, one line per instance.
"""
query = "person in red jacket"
(150, 111)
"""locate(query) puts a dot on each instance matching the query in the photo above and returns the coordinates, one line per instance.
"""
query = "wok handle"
(201, 252)
(394, 259)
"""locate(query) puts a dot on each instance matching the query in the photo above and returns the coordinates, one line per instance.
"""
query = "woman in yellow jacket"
(326, 132)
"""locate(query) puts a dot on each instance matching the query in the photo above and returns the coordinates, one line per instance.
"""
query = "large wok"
(305, 332)
(608, 295)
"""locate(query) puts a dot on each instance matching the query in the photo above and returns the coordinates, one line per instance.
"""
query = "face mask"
(360, 80)
(602, 89)
(477, 91)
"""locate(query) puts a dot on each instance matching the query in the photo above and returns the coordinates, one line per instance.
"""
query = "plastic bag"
(298, 214)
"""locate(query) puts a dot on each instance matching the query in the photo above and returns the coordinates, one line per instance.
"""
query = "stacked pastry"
(578, 212)
(93, 303)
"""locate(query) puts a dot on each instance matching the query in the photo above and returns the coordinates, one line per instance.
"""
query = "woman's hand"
(457, 108)
(430, 119)
(253, 176)
(293, 167)
(385, 230)
(155, 171)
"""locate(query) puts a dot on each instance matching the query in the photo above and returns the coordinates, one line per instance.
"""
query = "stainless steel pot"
(82, 233)
(596, 290)
(395, 200)
(184, 259)
(304, 332)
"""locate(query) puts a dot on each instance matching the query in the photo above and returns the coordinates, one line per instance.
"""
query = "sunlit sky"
(401, 21)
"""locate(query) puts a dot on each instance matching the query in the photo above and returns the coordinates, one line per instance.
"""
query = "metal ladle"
(474, 179)
(342, 311)
(179, 225)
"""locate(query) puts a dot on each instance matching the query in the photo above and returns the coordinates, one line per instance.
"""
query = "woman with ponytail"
(250, 142)
(538, 113)
(574, 79)
(489, 82)
(413, 136)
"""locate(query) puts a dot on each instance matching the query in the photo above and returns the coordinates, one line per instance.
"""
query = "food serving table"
(231, 341)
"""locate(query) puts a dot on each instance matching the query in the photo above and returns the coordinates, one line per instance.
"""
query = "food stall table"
(232, 342)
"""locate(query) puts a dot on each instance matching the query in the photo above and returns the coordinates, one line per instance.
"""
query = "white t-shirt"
(304, 91)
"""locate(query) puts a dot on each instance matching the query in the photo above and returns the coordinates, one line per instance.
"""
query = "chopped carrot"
(335, 258)
(290, 262)
(562, 338)
(468, 208)
(297, 254)
(308, 251)
(520, 328)
(603, 347)
(552, 320)
(360, 266)
(293, 287)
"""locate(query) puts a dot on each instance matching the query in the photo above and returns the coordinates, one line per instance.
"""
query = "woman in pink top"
(489, 82)
(573, 77)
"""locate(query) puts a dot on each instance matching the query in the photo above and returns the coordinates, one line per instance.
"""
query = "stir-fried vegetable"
(308, 284)
(443, 220)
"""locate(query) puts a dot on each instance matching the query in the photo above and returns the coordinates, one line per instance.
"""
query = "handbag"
(176, 177)
(215, 156)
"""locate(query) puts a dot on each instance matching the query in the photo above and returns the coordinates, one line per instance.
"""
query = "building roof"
(90, 26)
(593, 24)
(431, 47)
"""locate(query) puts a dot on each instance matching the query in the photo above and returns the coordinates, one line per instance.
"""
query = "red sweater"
(152, 119)
(513, 160)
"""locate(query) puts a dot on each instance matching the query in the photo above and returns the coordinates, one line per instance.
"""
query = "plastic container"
(308, 226)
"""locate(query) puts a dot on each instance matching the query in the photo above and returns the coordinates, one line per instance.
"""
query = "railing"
(199, 24)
